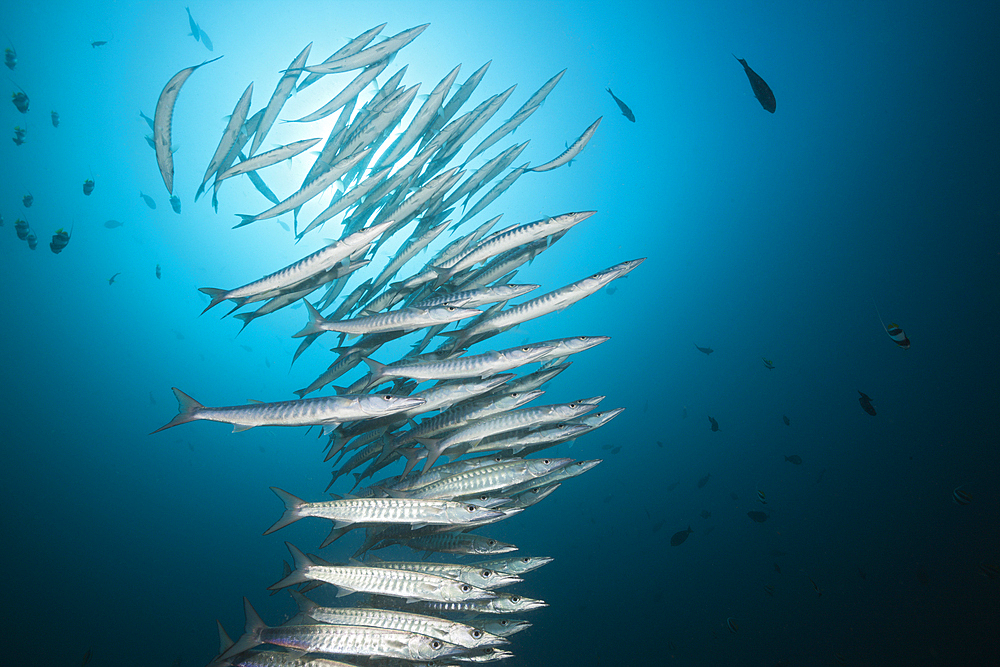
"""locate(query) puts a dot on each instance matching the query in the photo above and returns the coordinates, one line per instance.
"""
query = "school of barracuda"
(472, 402)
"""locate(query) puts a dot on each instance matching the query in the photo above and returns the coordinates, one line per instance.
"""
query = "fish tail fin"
(244, 219)
(313, 325)
(297, 576)
(246, 318)
(434, 451)
(378, 370)
(215, 293)
(187, 408)
(292, 507)
(304, 604)
(251, 633)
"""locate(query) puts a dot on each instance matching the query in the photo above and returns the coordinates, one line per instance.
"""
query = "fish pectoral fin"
(254, 400)
(242, 427)
(343, 590)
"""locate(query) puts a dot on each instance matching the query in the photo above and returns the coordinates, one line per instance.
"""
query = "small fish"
(611, 290)
(22, 229)
(819, 593)
(893, 330)
(769, 589)
(762, 497)
(111, 224)
(94, 45)
(59, 241)
(86, 657)
(760, 89)
(759, 517)
(866, 403)
(616, 450)
(679, 537)
(10, 58)
(767, 362)
(27, 200)
(111, 280)
(149, 200)
(705, 514)
(731, 625)
(175, 203)
(88, 186)
(19, 132)
(715, 424)
(158, 272)
(794, 459)
(785, 419)
(961, 497)
(777, 568)
(55, 119)
(624, 107)
(195, 30)
(32, 240)
(703, 481)
(659, 444)
(21, 101)
(706, 350)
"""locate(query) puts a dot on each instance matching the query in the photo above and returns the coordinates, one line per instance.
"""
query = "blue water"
(767, 236)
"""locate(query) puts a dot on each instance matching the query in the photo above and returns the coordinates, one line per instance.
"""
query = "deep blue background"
(767, 236)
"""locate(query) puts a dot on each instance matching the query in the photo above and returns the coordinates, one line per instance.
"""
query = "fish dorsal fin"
(255, 401)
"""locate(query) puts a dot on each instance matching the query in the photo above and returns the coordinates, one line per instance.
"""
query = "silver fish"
(281, 93)
(572, 151)
(162, 118)
(370, 55)
(229, 137)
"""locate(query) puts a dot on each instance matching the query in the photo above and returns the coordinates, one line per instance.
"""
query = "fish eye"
(515, 599)
(492, 543)
(546, 461)
(471, 508)
(485, 573)
(466, 588)
(387, 397)
(477, 633)
(504, 622)
(525, 349)
(526, 559)
(451, 309)
(436, 644)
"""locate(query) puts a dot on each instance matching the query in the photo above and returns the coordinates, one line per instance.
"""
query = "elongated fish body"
(501, 627)
(490, 478)
(481, 365)
(571, 152)
(483, 175)
(518, 236)
(162, 118)
(306, 412)
(565, 472)
(470, 574)
(533, 308)
(518, 441)
(563, 347)
(381, 581)
(349, 49)
(406, 319)
(307, 192)
(371, 55)
(416, 512)
(460, 97)
(268, 158)
(283, 659)
(481, 296)
(229, 136)
(430, 626)
(760, 89)
(340, 640)
(304, 269)
(281, 94)
(350, 92)
(512, 421)
(502, 604)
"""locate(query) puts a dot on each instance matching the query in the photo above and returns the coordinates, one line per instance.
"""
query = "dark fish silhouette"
(111, 280)
(777, 569)
(794, 458)
(715, 424)
(760, 89)
(785, 419)
(759, 517)
(706, 350)
(705, 514)
(87, 656)
(88, 186)
(679, 537)
(624, 107)
(159, 272)
(961, 497)
(59, 241)
(769, 589)
(866, 403)
(703, 481)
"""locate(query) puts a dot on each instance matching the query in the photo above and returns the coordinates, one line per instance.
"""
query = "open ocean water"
(772, 239)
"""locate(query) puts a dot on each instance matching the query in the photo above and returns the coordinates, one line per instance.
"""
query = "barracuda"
(411, 511)
(380, 581)
(480, 365)
(470, 574)
(340, 639)
(302, 270)
(489, 478)
(452, 632)
(405, 319)
(327, 411)
(371, 55)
